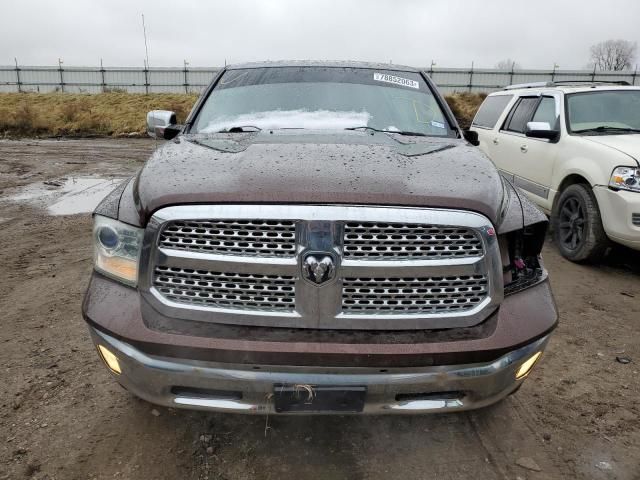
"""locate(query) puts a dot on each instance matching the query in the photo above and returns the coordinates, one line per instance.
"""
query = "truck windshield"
(611, 112)
(322, 98)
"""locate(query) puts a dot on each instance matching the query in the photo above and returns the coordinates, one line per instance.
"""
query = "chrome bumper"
(160, 380)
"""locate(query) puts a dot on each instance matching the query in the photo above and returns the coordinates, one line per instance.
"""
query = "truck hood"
(289, 166)
(628, 143)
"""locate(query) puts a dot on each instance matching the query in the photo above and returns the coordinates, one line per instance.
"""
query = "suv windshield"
(608, 112)
(322, 98)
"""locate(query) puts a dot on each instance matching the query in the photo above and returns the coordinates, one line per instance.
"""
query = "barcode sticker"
(405, 82)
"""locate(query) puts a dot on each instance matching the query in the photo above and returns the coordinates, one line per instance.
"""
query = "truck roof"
(324, 63)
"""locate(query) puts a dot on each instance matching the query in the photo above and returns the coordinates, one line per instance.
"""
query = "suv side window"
(546, 112)
(490, 111)
(520, 115)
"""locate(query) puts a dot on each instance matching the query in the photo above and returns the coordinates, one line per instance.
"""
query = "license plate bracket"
(312, 398)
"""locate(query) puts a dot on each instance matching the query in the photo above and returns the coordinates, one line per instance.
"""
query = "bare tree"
(507, 64)
(614, 55)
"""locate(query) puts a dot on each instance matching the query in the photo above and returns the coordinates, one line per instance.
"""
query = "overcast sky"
(453, 33)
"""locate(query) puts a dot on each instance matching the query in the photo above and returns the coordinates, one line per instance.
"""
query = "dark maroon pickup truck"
(318, 238)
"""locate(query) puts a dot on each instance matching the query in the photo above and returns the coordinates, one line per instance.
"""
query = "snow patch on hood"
(319, 120)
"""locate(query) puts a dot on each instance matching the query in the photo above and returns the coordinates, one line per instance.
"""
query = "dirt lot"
(63, 416)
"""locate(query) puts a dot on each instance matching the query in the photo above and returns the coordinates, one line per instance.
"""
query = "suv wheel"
(577, 226)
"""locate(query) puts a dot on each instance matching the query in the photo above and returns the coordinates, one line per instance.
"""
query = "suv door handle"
(495, 141)
(523, 148)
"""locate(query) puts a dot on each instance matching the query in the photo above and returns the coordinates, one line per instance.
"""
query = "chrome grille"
(267, 238)
(226, 290)
(413, 295)
(388, 241)
(395, 268)
(635, 219)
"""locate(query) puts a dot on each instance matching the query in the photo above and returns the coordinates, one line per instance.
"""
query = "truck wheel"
(577, 226)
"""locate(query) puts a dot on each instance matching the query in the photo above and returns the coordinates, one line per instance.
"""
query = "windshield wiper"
(399, 132)
(239, 129)
(607, 128)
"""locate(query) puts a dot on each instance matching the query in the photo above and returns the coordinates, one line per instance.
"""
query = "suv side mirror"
(162, 124)
(541, 130)
(471, 137)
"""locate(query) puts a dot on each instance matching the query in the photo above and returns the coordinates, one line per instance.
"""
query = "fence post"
(593, 74)
(513, 65)
(186, 82)
(18, 83)
(471, 77)
(146, 78)
(61, 77)
(104, 84)
(635, 73)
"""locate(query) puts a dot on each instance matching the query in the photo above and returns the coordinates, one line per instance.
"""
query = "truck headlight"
(117, 249)
(626, 178)
(521, 261)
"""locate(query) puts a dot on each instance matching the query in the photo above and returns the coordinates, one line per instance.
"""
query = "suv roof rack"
(528, 85)
(559, 83)
(590, 82)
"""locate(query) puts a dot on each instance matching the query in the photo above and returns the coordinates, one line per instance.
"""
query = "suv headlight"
(626, 178)
(117, 249)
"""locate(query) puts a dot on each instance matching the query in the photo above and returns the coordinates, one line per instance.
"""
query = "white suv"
(574, 149)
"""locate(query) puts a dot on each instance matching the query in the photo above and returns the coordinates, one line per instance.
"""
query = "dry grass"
(66, 114)
(465, 105)
(119, 114)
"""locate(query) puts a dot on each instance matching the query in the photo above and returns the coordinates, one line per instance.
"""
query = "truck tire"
(577, 226)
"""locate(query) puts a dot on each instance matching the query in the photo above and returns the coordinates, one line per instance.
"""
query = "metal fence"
(193, 80)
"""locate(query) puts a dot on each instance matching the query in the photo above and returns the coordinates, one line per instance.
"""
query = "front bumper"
(617, 209)
(249, 388)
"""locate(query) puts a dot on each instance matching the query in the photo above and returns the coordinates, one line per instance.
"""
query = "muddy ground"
(63, 416)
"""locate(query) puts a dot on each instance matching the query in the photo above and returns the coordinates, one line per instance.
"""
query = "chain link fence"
(45, 79)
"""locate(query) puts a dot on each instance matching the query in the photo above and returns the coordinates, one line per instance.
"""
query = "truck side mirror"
(471, 136)
(541, 130)
(162, 124)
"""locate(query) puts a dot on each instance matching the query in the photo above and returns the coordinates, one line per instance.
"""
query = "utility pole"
(60, 62)
(186, 82)
(104, 84)
(146, 57)
(18, 83)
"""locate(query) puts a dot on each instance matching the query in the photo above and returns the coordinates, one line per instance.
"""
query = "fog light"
(526, 367)
(110, 360)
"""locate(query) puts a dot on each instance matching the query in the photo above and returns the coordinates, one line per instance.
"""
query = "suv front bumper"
(617, 209)
(249, 388)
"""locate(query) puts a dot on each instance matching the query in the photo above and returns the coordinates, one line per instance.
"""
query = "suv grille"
(267, 238)
(635, 219)
(412, 295)
(225, 290)
(388, 241)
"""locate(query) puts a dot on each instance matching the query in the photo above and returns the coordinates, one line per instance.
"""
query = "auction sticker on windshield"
(405, 82)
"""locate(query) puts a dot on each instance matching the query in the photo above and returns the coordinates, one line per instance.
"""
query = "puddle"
(67, 196)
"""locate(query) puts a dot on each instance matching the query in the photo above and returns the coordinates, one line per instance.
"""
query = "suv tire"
(577, 226)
